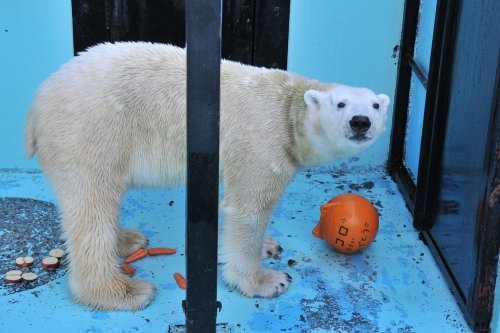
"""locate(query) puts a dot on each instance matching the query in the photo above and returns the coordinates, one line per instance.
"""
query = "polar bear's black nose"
(360, 124)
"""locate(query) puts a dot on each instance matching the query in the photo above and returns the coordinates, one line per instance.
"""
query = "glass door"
(445, 142)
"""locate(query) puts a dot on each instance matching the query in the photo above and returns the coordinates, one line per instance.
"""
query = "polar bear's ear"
(384, 100)
(313, 99)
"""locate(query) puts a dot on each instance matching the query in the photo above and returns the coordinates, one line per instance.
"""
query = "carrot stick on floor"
(139, 254)
(158, 251)
(127, 269)
(181, 281)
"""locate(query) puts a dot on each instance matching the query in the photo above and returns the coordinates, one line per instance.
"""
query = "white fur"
(114, 117)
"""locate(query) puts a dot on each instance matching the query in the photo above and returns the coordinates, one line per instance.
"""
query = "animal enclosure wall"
(321, 46)
(35, 39)
(350, 42)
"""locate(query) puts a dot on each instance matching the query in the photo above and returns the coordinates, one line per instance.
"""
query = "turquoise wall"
(332, 40)
(35, 39)
(349, 42)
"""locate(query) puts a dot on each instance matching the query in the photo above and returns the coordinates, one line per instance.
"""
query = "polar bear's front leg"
(243, 240)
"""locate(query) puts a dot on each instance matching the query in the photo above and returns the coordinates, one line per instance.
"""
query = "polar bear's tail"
(29, 135)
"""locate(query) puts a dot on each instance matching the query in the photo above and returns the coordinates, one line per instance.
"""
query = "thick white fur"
(114, 117)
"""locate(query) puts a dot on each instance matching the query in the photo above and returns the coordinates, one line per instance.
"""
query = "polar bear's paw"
(129, 241)
(264, 283)
(125, 295)
(272, 284)
(271, 249)
(139, 295)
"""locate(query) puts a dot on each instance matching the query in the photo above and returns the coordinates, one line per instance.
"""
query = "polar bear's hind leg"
(90, 213)
(129, 241)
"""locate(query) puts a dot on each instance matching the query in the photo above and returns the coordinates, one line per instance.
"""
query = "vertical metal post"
(402, 97)
(203, 36)
(436, 113)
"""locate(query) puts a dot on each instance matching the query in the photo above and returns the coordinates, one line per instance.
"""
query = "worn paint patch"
(345, 309)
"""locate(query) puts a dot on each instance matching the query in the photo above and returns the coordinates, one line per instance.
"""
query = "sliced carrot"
(139, 254)
(181, 281)
(158, 251)
(127, 269)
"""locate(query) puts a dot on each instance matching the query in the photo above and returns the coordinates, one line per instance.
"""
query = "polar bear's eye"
(341, 105)
(376, 106)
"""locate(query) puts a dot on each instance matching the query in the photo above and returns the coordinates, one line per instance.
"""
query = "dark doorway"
(253, 32)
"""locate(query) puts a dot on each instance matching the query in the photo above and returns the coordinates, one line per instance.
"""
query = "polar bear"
(114, 118)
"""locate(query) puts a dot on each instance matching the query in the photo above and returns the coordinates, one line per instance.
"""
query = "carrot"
(127, 269)
(181, 281)
(139, 254)
(157, 251)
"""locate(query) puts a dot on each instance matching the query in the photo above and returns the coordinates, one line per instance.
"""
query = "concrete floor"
(392, 286)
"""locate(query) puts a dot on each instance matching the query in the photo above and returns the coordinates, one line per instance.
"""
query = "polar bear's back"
(125, 104)
(129, 72)
(121, 104)
(138, 79)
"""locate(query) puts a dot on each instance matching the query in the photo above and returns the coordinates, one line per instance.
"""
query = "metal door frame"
(420, 197)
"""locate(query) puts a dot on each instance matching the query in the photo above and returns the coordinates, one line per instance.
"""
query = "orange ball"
(348, 222)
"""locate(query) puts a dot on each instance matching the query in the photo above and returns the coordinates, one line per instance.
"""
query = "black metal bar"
(397, 148)
(203, 36)
(436, 108)
(161, 21)
(270, 48)
(89, 23)
(417, 70)
(115, 21)
(237, 30)
(406, 185)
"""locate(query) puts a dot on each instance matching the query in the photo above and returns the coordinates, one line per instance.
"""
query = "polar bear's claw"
(271, 249)
(273, 284)
(264, 283)
(119, 294)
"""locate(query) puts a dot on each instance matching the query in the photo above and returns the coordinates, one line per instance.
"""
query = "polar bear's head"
(344, 120)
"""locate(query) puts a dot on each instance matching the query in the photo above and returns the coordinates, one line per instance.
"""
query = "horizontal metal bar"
(419, 72)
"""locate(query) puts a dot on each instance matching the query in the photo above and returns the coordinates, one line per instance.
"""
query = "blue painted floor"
(392, 286)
